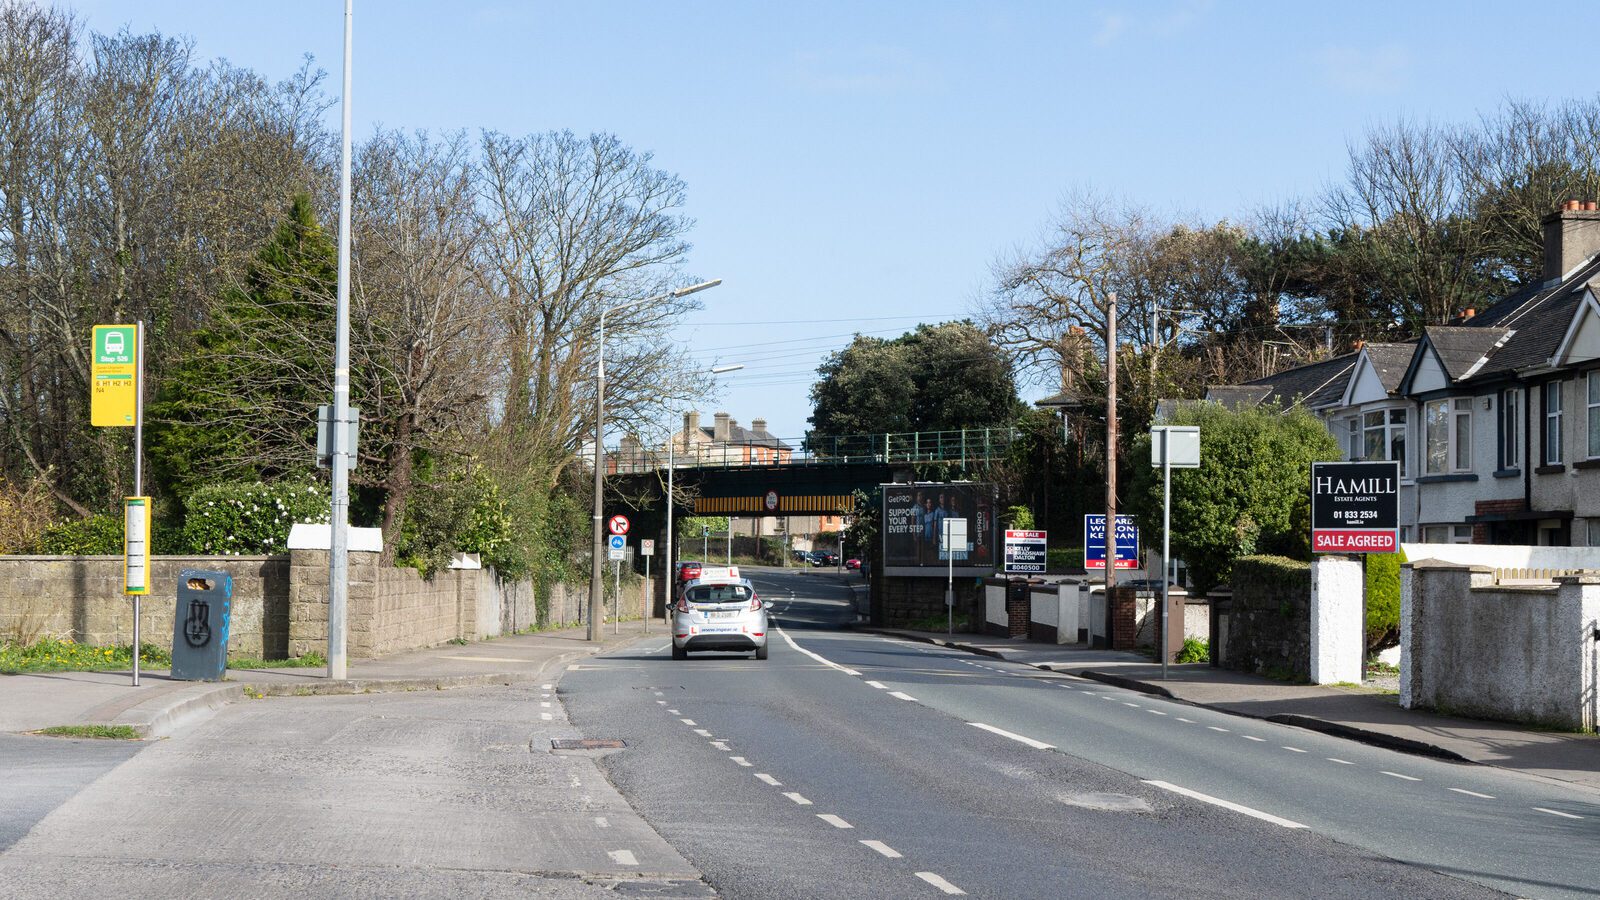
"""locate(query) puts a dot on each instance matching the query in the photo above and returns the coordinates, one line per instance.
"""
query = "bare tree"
(572, 226)
(423, 321)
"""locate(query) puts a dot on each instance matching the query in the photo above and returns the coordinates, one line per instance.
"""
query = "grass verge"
(107, 732)
(65, 655)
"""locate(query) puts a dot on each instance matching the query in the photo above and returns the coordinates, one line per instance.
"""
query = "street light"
(671, 567)
(596, 584)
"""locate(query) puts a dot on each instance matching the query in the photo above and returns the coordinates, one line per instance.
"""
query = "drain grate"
(586, 744)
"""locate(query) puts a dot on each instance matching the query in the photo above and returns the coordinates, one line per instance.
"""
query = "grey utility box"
(200, 625)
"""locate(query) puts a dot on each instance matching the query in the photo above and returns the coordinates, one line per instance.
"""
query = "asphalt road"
(853, 764)
(41, 773)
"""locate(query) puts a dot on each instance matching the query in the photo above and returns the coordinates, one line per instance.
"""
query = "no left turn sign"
(618, 524)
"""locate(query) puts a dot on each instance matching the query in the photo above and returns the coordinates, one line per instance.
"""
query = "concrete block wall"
(899, 601)
(1520, 653)
(80, 597)
(1269, 622)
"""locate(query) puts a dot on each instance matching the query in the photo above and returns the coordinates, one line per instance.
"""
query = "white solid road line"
(902, 695)
(940, 883)
(883, 848)
(1472, 793)
(1022, 739)
(1557, 812)
(834, 820)
(623, 857)
(796, 797)
(827, 662)
(1398, 775)
(1225, 804)
(769, 779)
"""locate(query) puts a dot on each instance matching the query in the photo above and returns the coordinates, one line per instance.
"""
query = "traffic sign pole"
(138, 470)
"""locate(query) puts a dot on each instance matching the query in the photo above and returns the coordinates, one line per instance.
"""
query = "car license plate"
(724, 613)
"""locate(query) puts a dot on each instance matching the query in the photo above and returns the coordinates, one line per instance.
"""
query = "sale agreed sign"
(1355, 507)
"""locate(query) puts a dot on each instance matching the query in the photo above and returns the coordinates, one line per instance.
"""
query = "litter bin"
(200, 625)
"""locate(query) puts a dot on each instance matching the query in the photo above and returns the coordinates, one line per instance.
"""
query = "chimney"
(1571, 236)
(758, 425)
(1469, 313)
(719, 431)
(691, 425)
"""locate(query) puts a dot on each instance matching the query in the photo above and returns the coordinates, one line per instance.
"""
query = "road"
(852, 762)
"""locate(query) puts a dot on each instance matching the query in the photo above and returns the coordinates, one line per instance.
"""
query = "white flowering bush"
(249, 518)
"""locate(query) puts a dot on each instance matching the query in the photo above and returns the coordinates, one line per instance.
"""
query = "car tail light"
(681, 606)
(755, 602)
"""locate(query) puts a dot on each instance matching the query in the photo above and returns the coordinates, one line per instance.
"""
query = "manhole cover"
(586, 744)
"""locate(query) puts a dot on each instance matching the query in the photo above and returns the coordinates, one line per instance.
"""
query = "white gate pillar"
(1338, 634)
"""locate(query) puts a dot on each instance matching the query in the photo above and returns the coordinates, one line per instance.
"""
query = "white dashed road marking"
(883, 848)
(877, 684)
(702, 732)
(1251, 737)
(834, 820)
(769, 779)
(623, 857)
(1225, 804)
(600, 821)
(1292, 749)
(1216, 728)
(546, 716)
(1472, 793)
(740, 760)
(690, 722)
(1557, 812)
(1398, 775)
(902, 695)
(1342, 762)
(796, 797)
(720, 745)
(1021, 739)
(940, 883)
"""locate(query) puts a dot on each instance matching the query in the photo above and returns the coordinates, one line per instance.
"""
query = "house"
(727, 443)
(1494, 418)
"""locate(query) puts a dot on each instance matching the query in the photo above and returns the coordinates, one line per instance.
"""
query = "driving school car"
(719, 611)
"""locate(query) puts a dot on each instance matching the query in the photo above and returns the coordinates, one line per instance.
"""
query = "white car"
(719, 611)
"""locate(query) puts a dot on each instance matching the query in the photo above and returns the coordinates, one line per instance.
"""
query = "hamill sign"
(1355, 507)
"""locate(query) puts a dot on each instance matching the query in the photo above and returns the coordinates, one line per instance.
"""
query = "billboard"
(1355, 507)
(913, 517)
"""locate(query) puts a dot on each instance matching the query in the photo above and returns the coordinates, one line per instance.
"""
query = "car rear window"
(719, 593)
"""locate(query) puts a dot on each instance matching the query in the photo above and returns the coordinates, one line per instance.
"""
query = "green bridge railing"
(963, 445)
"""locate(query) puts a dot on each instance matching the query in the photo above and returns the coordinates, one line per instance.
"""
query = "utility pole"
(339, 460)
(1111, 445)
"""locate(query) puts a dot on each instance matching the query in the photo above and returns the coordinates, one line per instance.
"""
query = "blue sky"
(858, 166)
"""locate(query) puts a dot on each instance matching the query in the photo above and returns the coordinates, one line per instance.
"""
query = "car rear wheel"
(680, 653)
(761, 652)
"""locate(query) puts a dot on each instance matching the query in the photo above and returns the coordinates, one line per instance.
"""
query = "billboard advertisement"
(1355, 507)
(913, 518)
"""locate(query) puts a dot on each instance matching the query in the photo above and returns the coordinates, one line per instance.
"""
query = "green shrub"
(249, 518)
(1019, 517)
(1060, 559)
(1194, 650)
(98, 535)
(460, 511)
(1383, 600)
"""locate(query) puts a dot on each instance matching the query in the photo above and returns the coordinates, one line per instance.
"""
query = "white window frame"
(1592, 409)
(1387, 430)
(1447, 534)
(1553, 453)
(1510, 419)
(1458, 455)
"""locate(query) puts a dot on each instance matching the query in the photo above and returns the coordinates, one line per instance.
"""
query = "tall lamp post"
(596, 582)
(671, 567)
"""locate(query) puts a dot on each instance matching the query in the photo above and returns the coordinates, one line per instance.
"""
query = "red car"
(687, 572)
(854, 564)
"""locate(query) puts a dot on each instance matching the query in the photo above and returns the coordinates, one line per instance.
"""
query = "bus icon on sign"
(115, 343)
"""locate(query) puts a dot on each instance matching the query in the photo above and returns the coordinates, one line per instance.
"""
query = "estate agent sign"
(1355, 507)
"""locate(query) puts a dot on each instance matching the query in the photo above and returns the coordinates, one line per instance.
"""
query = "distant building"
(727, 443)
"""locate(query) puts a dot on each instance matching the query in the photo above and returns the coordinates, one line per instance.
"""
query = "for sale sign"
(1355, 507)
(1026, 551)
(1094, 542)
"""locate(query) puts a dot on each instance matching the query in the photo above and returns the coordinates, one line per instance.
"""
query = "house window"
(1353, 438)
(1510, 445)
(1593, 527)
(1447, 534)
(1384, 437)
(1552, 423)
(1448, 429)
(1593, 409)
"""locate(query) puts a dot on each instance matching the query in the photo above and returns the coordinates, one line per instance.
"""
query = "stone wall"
(898, 601)
(80, 597)
(1269, 623)
(1523, 653)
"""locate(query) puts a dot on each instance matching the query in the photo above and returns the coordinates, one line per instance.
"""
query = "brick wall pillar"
(1123, 618)
(1480, 531)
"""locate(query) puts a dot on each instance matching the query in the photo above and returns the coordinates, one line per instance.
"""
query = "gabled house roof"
(738, 435)
(1377, 365)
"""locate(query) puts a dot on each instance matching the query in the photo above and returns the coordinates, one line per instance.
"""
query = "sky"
(859, 166)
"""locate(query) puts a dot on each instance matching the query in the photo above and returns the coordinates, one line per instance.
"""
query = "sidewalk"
(1362, 715)
(160, 705)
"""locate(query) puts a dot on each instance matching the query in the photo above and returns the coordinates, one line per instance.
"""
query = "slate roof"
(738, 435)
(1238, 396)
(1461, 347)
(1390, 362)
(1315, 384)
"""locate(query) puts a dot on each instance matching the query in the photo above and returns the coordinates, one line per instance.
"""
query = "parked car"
(829, 559)
(800, 555)
(719, 612)
(853, 564)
